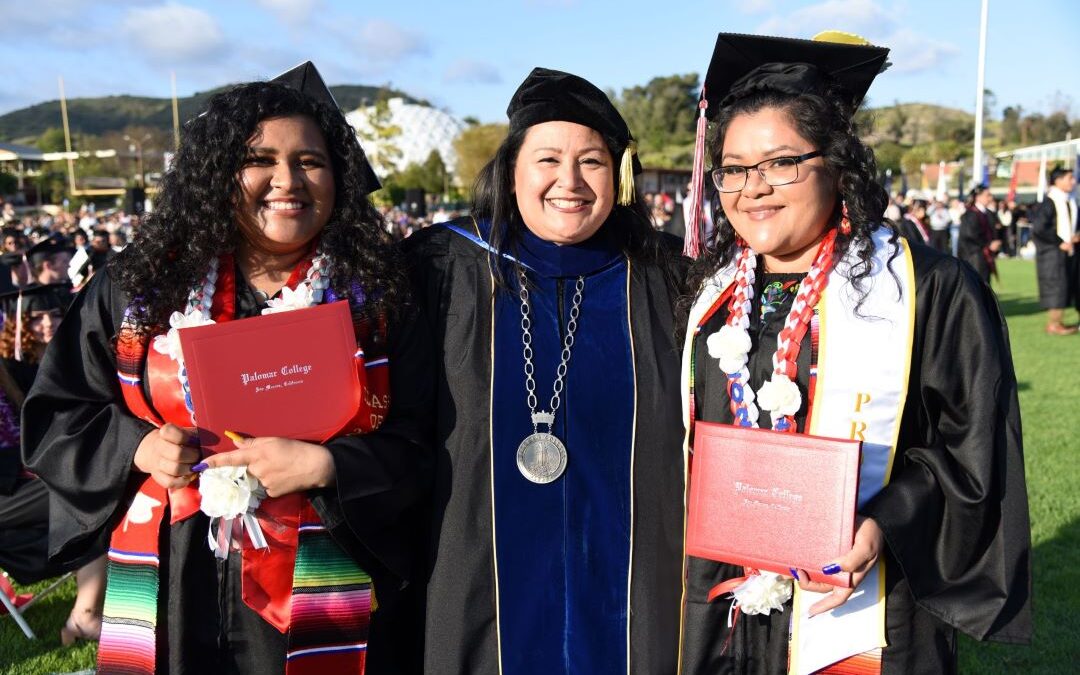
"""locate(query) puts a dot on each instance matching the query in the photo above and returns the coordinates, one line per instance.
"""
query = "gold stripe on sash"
(633, 449)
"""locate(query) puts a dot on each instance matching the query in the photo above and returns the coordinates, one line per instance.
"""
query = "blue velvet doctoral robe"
(581, 575)
(563, 549)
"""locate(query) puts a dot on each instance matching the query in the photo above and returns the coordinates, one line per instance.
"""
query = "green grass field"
(1047, 369)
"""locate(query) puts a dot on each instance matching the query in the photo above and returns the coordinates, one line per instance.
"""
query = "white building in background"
(423, 129)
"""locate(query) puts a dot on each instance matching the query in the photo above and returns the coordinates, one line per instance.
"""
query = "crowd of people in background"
(938, 222)
(51, 248)
(103, 233)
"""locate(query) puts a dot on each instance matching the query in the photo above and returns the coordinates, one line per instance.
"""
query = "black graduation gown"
(1058, 272)
(574, 566)
(79, 436)
(977, 230)
(909, 229)
(24, 500)
(954, 514)
(20, 376)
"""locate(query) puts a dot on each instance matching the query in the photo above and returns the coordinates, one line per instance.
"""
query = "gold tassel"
(840, 37)
(843, 38)
(626, 174)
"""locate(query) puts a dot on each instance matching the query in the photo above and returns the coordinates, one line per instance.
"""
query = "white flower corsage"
(301, 298)
(169, 343)
(762, 593)
(780, 396)
(228, 493)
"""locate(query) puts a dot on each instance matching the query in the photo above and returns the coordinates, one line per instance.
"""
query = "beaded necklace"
(731, 344)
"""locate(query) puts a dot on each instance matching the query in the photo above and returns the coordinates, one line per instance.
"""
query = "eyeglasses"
(775, 172)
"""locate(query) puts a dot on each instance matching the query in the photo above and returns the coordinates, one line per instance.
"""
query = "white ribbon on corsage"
(230, 496)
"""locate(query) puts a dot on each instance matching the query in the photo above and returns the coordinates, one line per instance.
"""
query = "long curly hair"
(194, 219)
(494, 202)
(826, 120)
(31, 347)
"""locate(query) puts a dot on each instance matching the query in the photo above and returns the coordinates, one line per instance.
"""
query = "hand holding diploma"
(282, 465)
(859, 560)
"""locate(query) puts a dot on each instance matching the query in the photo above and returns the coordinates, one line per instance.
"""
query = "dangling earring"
(845, 222)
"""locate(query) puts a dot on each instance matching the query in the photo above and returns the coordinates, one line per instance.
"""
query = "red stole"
(268, 573)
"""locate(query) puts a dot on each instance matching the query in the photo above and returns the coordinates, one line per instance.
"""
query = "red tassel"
(694, 236)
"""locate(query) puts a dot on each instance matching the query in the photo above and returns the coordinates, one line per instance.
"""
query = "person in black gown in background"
(24, 499)
(978, 241)
(556, 556)
(265, 206)
(799, 202)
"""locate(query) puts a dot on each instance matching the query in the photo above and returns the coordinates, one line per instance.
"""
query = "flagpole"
(175, 112)
(977, 160)
(67, 138)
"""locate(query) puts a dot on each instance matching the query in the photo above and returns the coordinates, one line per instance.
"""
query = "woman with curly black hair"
(811, 317)
(264, 210)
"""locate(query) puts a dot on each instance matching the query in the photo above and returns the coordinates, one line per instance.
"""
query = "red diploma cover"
(289, 374)
(771, 500)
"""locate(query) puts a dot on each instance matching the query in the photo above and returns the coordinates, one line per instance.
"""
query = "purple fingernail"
(831, 569)
(201, 466)
(794, 572)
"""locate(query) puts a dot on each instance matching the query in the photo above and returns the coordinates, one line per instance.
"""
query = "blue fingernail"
(201, 466)
(830, 569)
(794, 572)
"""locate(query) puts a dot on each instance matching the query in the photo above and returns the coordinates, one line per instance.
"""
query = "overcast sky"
(469, 56)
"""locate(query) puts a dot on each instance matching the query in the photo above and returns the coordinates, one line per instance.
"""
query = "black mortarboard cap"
(742, 64)
(37, 298)
(47, 247)
(306, 79)
(554, 96)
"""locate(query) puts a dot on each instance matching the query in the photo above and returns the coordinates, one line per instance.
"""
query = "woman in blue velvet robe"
(583, 573)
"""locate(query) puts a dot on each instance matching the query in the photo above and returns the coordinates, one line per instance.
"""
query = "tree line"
(662, 116)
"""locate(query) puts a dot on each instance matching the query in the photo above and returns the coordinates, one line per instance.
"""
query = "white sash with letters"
(864, 361)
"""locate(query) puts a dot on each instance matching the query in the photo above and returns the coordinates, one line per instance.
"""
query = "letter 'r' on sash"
(864, 401)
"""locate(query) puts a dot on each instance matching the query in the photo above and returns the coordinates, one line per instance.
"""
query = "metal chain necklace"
(541, 457)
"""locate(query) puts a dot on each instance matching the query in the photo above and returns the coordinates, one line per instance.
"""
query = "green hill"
(913, 123)
(97, 116)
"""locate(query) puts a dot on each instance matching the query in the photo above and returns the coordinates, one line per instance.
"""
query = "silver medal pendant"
(541, 458)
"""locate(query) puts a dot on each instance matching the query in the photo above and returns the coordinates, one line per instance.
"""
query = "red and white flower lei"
(731, 344)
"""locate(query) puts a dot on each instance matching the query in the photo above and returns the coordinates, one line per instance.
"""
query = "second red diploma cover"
(771, 500)
(288, 374)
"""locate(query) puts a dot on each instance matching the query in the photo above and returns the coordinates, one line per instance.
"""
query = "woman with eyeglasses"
(810, 316)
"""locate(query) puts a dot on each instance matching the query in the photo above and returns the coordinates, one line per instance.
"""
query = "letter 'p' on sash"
(861, 400)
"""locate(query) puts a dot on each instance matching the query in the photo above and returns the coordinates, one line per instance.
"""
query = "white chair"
(10, 599)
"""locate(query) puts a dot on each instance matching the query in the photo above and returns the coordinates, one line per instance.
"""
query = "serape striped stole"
(325, 605)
